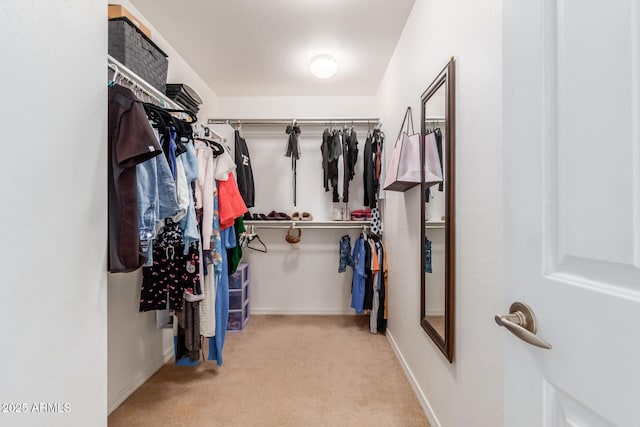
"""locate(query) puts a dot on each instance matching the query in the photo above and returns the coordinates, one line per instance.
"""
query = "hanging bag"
(432, 166)
(403, 170)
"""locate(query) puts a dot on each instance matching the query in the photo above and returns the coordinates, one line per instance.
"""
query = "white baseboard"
(426, 407)
(310, 311)
(140, 379)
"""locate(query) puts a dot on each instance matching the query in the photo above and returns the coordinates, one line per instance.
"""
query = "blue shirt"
(228, 237)
(357, 287)
(188, 224)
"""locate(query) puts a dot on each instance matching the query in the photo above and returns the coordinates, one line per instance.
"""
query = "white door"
(572, 210)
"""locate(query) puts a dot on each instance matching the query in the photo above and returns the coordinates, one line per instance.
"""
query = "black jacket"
(244, 171)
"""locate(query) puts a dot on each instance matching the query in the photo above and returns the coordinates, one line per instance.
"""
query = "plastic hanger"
(256, 237)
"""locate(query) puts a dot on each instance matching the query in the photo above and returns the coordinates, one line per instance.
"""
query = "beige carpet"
(283, 371)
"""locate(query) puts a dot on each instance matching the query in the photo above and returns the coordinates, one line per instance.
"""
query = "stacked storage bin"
(239, 298)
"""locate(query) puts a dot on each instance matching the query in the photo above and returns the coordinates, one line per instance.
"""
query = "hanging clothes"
(324, 149)
(216, 343)
(212, 274)
(293, 151)
(131, 142)
(244, 173)
(359, 276)
(235, 253)
(231, 204)
(171, 273)
(373, 150)
(350, 159)
(187, 342)
(438, 134)
(188, 224)
(339, 156)
(369, 287)
(368, 177)
(157, 200)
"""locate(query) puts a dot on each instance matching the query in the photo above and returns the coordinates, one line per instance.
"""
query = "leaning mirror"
(438, 210)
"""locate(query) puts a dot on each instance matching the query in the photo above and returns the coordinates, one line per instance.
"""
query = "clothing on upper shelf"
(373, 149)
(244, 173)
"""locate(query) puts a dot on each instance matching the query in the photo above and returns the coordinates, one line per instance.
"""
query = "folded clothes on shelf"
(361, 214)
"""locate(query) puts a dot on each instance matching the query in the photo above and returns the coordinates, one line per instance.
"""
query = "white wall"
(53, 291)
(136, 347)
(179, 70)
(297, 107)
(468, 392)
(303, 278)
(285, 280)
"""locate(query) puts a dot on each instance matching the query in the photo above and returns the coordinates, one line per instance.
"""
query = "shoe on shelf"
(306, 216)
(283, 216)
(295, 216)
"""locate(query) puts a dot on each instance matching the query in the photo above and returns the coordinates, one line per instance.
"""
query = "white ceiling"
(263, 47)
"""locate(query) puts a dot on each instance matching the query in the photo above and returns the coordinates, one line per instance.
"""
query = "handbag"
(293, 238)
(432, 167)
(403, 171)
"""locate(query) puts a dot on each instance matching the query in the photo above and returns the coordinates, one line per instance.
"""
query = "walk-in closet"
(315, 212)
(259, 259)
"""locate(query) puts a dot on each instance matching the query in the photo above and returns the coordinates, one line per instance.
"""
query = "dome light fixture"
(323, 66)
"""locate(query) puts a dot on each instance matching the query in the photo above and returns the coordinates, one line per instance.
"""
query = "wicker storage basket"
(137, 52)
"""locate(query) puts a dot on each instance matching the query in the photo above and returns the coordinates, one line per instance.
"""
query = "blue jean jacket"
(156, 200)
(188, 224)
(345, 254)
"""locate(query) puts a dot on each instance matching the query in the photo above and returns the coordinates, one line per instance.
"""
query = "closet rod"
(141, 83)
(308, 121)
(146, 87)
(304, 224)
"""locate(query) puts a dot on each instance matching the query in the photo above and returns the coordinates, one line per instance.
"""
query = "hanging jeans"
(427, 256)
(345, 254)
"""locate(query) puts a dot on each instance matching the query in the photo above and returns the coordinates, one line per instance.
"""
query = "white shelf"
(275, 224)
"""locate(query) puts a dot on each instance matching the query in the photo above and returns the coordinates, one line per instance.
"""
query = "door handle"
(522, 323)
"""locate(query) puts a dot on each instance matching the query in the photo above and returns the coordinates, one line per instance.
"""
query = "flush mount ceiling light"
(323, 66)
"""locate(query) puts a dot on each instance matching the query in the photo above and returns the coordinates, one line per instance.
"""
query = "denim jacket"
(156, 199)
(188, 224)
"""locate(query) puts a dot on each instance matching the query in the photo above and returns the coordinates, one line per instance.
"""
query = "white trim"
(310, 311)
(140, 378)
(422, 399)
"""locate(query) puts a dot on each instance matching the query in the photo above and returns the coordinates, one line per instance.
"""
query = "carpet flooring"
(283, 371)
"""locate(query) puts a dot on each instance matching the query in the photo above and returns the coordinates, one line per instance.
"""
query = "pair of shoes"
(259, 217)
(278, 216)
(305, 216)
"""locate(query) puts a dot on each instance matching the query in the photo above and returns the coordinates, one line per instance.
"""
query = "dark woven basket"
(137, 52)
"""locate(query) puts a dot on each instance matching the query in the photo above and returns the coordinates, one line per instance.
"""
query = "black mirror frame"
(445, 344)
